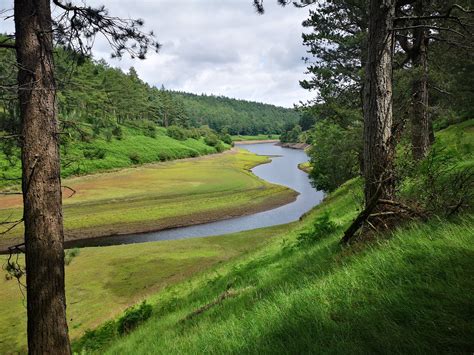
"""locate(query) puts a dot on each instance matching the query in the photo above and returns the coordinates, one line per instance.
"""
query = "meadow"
(159, 196)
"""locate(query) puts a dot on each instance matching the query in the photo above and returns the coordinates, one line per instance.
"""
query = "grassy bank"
(159, 196)
(409, 293)
(102, 282)
(136, 146)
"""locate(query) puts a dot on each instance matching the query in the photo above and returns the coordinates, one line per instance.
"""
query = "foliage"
(291, 134)
(133, 316)
(322, 227)
(441, 184)
(176, 133)
(334, 155)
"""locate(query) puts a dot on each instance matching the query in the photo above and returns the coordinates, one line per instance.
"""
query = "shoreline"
(260, 141)
(73, 238)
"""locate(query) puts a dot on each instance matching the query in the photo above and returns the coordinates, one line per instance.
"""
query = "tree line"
(92, 91)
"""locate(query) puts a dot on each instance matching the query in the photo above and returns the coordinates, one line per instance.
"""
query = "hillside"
(236, 116)
(88, 152)
(408, 292)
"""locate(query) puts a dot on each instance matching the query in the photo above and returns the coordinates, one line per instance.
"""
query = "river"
(283, 170)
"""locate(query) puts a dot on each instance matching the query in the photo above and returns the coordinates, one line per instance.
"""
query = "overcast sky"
(217, 47)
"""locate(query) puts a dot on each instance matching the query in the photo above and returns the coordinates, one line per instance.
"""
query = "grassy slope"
(102, 282)
(409, 293)
(159, 196)
(117, 153)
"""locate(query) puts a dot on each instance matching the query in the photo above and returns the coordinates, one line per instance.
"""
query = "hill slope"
(406, 293)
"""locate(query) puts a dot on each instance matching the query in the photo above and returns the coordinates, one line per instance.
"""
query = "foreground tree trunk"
(378, 142)
(421, 125)
(41, 184)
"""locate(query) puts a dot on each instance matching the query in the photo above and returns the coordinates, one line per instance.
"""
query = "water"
(282, 170)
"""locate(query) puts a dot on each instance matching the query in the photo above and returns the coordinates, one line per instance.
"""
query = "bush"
(93, 153)
(177, 133)
(439, 184)
(322, 226)
(211, 139)
(134, 158)
(226, 138)
(117, 132)
(133, 316)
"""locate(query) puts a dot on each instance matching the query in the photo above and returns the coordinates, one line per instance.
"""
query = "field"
(158, 196)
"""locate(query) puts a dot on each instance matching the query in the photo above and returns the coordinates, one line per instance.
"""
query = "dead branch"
(403, 207)
(71, 189)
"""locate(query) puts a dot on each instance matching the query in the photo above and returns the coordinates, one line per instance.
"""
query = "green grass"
(160, 196)
(410, 292)
(258, 137)
(102, 282)
(145, 149)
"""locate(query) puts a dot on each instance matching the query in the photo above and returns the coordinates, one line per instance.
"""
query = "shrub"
(211, 139)
(440, 184)
(93, 153)
(108, 135)
(117, 132)
(177, 133)
(134, 316)
(93, 340)
(322, 226)
(226, 138)
(134, 158)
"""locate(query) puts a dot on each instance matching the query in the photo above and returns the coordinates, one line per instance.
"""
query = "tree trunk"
(421, 125)
(41, 183)
(378, 143)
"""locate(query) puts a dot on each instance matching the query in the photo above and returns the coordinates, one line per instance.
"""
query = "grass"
(259, 292)
(160, 196)
(102, 282)
(133, 149)
(257, 137)
(306, 167)
(407, 293)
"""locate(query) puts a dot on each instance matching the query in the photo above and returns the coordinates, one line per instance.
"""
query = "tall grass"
(410, 292)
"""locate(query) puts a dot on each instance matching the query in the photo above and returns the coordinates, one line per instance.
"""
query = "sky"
(220, 47)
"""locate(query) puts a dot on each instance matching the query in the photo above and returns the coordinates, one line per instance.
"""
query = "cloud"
(219, 47)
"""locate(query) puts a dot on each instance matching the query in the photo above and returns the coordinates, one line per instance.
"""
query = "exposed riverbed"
(283, 170)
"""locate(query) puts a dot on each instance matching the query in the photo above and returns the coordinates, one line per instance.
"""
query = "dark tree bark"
(41, 184)
(421, 125)
(378, 143)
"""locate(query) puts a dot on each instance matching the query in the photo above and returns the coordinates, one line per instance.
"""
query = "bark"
(378, 142)
(421, 125)
(41, 184)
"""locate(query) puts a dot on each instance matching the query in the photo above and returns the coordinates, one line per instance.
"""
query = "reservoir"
(283, 170)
